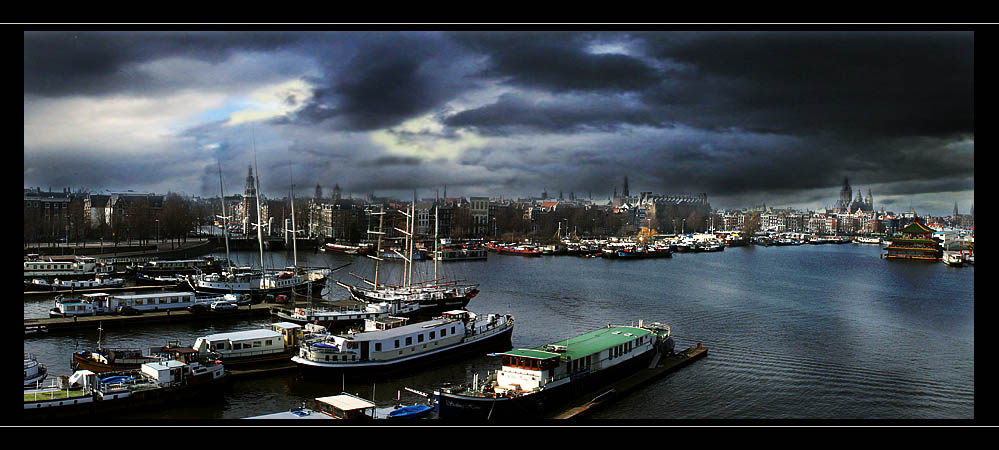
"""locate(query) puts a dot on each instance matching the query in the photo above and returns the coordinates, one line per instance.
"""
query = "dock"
(110, 321)
(118, 290)
(660, 366)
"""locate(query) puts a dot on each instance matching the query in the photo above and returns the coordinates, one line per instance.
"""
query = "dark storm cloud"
(513, 113)
(557, 62)
(732, 114)
(386, 80)
(858, 83)
(95, 63)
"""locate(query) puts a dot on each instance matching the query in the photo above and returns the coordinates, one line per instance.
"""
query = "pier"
(660, 366)
(109, 321)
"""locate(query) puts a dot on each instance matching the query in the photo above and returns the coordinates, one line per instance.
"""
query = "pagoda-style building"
(916, 242)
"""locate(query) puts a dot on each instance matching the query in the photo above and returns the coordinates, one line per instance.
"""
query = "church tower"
(250, 199)
(845, 195)
(625, 192)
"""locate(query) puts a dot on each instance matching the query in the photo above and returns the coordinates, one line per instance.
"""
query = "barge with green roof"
(533, 380)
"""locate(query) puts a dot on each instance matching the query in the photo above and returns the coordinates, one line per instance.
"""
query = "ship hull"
(535, 405)
(497, 342)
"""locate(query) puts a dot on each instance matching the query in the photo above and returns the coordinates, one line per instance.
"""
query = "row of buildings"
(53, 216)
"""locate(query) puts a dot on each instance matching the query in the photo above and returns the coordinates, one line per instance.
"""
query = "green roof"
(916, 227)
(585, 344)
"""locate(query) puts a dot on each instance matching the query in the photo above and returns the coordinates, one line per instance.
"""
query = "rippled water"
(806, 332)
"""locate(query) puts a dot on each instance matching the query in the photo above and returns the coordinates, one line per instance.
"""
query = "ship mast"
(260, 231)
(378, 247)
(225, 220)
(294, 228)
(412, 236)
(436, 226)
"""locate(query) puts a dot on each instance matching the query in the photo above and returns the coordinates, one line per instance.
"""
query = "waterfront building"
(915, 242)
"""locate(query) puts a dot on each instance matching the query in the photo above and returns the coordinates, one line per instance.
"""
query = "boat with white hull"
(391, 345)
(103, 303)
(40, 284)
(34, 371)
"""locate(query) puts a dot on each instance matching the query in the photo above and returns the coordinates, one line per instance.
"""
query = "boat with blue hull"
(533, 380)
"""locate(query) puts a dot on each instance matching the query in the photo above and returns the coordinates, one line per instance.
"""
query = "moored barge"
(390, 345)
(533, 380)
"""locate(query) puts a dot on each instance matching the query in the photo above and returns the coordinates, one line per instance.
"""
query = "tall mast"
(256, 179)
(378, 247)
(436, 238)
(294, 229)
(225, 219)
(405, 259)
(412, 234)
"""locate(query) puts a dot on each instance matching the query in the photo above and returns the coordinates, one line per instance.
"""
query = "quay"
(55, 324)
(660, 366)
(119, 290)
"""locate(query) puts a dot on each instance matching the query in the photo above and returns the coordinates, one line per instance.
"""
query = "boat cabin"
(346, 406)
(278, 338)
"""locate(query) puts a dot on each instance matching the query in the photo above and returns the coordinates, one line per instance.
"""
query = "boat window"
(256, 344)
(409, 340)
(419, 337)
(432, 335)
(396, 343)
(443, 332)
(378, 346)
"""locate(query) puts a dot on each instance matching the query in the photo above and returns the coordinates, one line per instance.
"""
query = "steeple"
(625, 192)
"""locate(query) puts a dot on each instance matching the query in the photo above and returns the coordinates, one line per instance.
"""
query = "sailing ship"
(532, 380)
(433, 295)
(259, 284)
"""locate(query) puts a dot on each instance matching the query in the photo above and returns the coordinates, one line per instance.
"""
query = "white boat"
(953, 259)
(79, 266)
(103, 303)
(34, 371)
(39, 284)
(338, 316)
(390, 345)
(277, 342)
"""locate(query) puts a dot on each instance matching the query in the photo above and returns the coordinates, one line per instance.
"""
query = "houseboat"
(153, 383)
(180, 266)
(177, 280)
(331, 317)
(388, 345)
(41, 284)
(532, 380)
(104, 360)
(103, 303)
(461, 254)
(78, 267)
(277, 342)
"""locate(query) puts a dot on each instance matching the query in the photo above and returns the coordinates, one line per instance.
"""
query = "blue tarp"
(409, 411)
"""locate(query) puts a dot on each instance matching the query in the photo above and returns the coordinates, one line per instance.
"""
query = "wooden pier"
(659, 368)
(118, 290)
(109, 321)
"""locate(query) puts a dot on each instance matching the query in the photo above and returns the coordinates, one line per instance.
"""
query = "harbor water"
(797, 332)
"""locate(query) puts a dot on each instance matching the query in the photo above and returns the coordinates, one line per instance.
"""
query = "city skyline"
(775, 117)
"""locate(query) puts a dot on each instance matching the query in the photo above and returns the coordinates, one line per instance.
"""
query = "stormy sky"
(774, 117)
